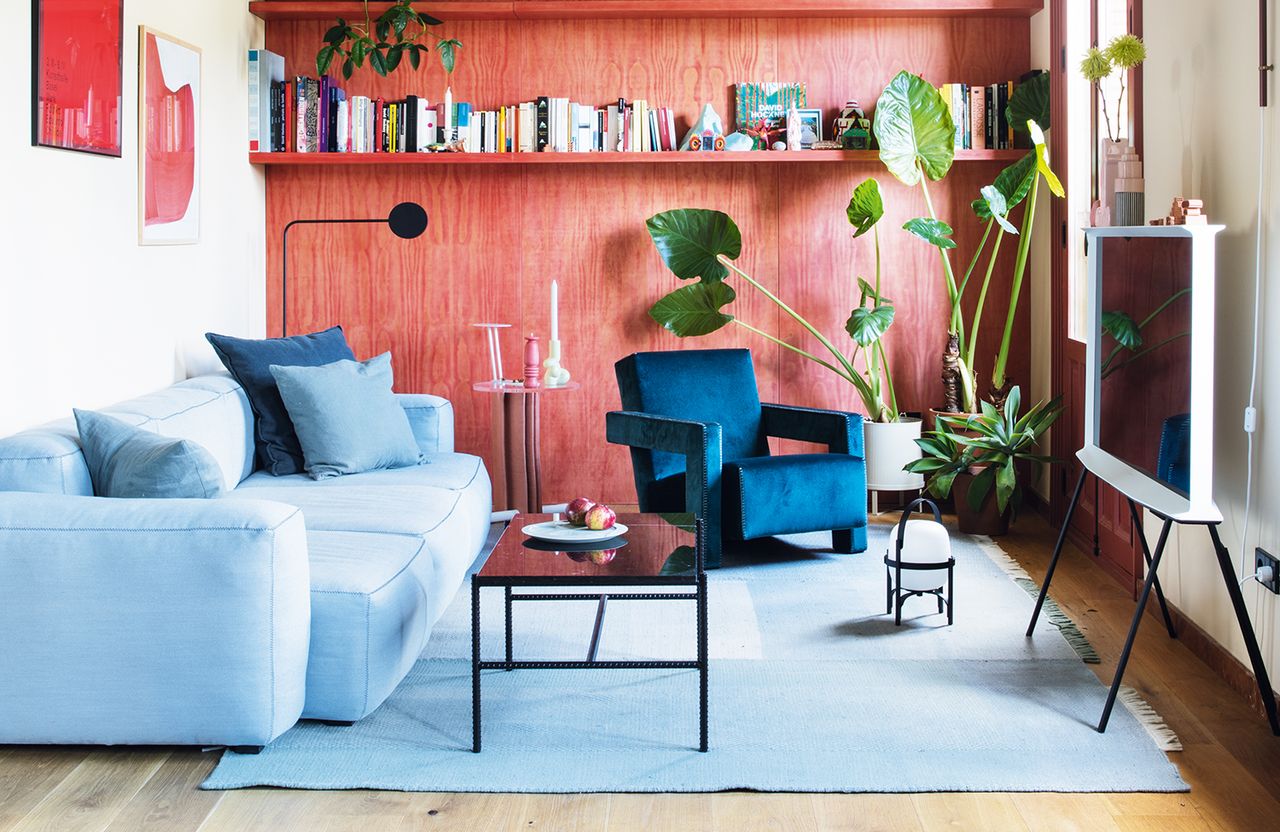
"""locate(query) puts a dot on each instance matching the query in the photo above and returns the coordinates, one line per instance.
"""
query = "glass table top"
(655, 545)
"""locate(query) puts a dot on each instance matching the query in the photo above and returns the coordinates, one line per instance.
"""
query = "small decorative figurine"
(793, 129)
(1184, 212)
(532, 361)
(555, 375)
(852, 128)
(707, 132)
(739, 141)
(762, 135)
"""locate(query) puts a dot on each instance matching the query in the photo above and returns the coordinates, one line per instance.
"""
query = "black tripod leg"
(1133, 627)
(1057, 550)
(1246, 630)
(1146, 554)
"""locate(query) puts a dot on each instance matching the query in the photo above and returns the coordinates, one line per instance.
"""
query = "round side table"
(517, 442)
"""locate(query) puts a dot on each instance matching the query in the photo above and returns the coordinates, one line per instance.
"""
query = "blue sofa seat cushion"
(249, 361)
(128, 461)
(793, 493)
(453, 471)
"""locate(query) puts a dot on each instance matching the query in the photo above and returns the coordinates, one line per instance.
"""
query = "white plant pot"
(890, 446)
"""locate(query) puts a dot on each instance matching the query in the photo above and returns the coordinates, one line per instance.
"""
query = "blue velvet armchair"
(698, 438)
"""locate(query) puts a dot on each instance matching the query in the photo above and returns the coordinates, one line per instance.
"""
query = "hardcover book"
(767, 102)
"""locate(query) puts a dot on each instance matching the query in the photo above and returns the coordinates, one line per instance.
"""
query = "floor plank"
(171, 799)
(90, 797)
(27, 775)
(977, 812)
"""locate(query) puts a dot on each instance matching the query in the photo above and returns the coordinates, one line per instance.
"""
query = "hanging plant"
(384, 41)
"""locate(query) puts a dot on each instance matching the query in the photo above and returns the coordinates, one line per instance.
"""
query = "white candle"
(555, 311)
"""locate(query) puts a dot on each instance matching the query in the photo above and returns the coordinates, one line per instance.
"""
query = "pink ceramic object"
(532, 362)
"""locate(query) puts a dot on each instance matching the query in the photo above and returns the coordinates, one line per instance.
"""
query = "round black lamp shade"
(408, 220)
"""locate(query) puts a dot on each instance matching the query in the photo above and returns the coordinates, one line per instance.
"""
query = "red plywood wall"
(499, 235)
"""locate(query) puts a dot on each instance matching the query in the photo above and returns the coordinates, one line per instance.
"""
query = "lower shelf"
(673, 158)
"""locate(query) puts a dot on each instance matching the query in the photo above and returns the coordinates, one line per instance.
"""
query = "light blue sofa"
(221, 622)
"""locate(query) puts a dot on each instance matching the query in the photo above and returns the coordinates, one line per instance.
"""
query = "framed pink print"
(168, 140)
(77, 74)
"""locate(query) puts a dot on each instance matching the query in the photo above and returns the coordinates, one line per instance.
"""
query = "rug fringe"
(1159, 731)
(1051, 611)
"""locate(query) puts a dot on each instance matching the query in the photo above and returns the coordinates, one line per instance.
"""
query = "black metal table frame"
(1153, 581)
(698, 580)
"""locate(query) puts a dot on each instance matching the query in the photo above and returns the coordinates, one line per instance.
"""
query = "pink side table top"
(518, 388)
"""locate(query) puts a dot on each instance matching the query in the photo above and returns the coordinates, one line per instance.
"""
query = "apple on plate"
(600, 517)
(576, 511)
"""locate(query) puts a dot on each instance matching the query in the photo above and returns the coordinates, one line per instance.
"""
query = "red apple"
(576, 511)
(600, 517)
(601, 558)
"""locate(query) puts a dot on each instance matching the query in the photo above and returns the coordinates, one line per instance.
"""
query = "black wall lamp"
(407, 221)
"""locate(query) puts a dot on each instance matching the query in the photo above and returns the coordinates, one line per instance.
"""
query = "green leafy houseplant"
(1124, 53)
(986, 446)
(703, 244)
(916, 134)
(384, 41)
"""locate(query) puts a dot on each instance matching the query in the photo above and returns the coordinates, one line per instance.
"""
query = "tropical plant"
(384, 41)
(1127, 333)
(916, 134)
(700, 243)
(1124, 53)
(992, 443)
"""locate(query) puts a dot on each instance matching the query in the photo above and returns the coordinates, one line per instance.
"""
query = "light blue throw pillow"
(127, 461)
(346, 417)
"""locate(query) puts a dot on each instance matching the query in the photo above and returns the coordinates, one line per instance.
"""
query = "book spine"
(411, 124)
(543, 116)
(255, 74)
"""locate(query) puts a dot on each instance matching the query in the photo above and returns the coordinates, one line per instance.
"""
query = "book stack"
(980, 114)
(315, 115)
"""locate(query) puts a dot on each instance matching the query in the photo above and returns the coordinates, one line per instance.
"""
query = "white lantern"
(918, 555)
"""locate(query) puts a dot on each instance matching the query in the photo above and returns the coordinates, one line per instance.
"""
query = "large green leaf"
(934, 232)
(997, 208)
(869, 291)
(690, 239)
(866, 207)
(1029, 102)
(914, 129)
(694, 309)
(867, 324)
(1013, 183)
(1122, 327)
(448, 48)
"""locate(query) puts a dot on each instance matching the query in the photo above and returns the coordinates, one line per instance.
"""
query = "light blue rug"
(812, 689)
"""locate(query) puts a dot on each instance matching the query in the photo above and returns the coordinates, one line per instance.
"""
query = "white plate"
(560, 531)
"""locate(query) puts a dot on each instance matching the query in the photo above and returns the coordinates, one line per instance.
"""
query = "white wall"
(88, 317)
(1201, 123)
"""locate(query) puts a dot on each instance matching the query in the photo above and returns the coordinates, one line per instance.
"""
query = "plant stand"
(1152, 581)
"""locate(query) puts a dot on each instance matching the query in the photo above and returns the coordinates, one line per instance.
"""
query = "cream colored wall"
(88, 317)
(1201, 123)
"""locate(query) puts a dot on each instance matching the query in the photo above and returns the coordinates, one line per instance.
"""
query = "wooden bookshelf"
(449, 10)
(668, 158)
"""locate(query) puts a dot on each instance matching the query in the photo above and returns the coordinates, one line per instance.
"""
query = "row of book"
(315, 115)
(980, 114)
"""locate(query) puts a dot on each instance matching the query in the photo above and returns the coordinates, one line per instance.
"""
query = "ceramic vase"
(889, 446)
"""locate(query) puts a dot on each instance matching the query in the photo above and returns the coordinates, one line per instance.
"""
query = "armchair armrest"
(841, 432)
(700, 443)
(151, 621)
(431, 418)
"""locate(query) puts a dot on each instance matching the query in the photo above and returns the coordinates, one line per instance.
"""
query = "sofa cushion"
(452, 471)
(369, 621)
(394, 509)
(793, 493)
(276, 442)
(128, 461)
(347, 419)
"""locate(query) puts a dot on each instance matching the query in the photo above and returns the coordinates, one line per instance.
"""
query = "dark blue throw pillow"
(275, 440)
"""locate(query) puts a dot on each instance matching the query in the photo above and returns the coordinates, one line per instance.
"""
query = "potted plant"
(703, 244)
(916, 134)
(1120, 187)
(384, 41)
(980, 462)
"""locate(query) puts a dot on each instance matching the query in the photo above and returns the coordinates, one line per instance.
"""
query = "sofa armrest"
(431, 418)
(180, 622)
(841, 432)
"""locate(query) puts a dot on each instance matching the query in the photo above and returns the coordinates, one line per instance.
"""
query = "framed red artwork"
(169, 94)
(77, 74)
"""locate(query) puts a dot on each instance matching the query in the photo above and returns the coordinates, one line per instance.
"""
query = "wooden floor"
(1230, 759)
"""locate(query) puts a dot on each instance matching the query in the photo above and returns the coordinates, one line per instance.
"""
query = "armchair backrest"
(701, 386)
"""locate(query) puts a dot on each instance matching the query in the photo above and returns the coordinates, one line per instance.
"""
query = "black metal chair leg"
(1246, 630)
(1133, 627)
(1146, 554)
(1057, 550)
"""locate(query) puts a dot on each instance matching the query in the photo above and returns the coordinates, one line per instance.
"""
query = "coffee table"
(658, 552)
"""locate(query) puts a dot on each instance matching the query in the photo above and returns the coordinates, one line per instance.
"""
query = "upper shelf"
(614, 9)
(670, 157)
